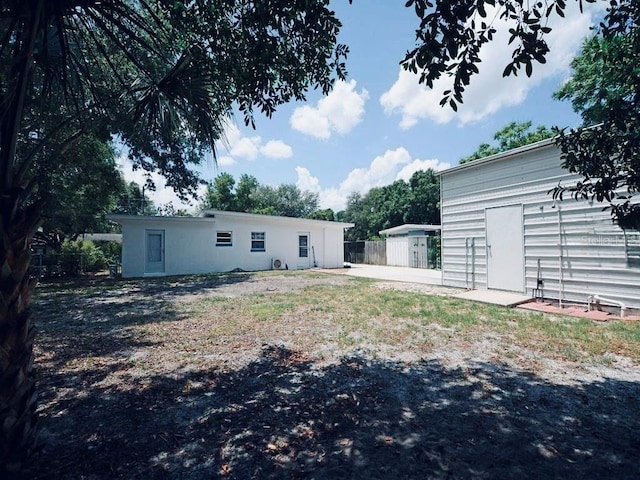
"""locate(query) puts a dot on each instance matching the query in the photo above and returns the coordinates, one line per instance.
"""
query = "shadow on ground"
(173, 286)
(91, 314)
(283, 416)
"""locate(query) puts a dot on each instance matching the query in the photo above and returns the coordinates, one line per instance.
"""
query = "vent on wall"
(277, 264)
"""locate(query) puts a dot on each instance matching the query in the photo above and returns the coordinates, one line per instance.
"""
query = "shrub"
(111, 250)
(81, 256)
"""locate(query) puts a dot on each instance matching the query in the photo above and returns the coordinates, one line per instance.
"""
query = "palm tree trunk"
(18, 396)
(18, 223)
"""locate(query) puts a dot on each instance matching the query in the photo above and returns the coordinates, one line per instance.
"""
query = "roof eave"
(501, 156)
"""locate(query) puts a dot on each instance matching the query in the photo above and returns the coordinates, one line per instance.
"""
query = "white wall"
(581, 252)
(190, 243)
(398, 251)
(187, 246)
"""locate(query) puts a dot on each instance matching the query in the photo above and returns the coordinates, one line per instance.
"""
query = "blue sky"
(380, 125)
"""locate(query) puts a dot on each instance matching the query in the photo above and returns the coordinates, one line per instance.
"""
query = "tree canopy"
(80, 191)
(132, 200)
(415, 201)
(162, 76)
(250, 196)
(599, 77)
(605, 89)
(449, 38)
(512, 135)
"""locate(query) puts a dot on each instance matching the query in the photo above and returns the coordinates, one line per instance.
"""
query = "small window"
(257, 241)
(224, 239)
(303, 246)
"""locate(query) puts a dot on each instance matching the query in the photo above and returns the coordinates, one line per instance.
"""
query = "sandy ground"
(166, 400)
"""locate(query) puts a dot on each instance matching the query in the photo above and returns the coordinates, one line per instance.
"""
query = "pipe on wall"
(560, 258)
(473, 263)
(466, 262)
(469, 243)
(594, 300)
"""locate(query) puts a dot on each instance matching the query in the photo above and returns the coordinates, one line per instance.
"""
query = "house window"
(224, 239)
(257, 242)
(303, 246)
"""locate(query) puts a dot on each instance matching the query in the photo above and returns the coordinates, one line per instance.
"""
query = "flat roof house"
(224, 241)
(502, 230)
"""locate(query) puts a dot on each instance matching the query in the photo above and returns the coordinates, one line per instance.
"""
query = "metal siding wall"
(593, 251)
(397, 252)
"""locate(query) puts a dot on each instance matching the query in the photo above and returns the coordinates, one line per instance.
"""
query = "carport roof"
(409, 227)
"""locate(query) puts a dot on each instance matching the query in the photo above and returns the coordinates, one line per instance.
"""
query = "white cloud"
(418, 165)
(249, 148)
(246, 147)
(381, 171)
(488, 91)
(276, 149)
(231, 134)
(384, 169)
(309, 120)
(339, 112)
(226, 161)
(306, 181)
(163, 194)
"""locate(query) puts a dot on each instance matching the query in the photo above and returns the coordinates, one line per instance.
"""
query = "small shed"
(502, 230)
(221, 241)
(408, 245)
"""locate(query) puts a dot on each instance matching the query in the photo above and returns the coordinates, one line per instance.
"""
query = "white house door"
(304, 250)
(505, 251)
(154, 255)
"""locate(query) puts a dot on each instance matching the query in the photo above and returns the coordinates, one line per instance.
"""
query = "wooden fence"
(366, 251)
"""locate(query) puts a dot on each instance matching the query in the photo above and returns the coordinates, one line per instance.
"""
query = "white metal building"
(224, 241)
(502, 230)
(408, 245)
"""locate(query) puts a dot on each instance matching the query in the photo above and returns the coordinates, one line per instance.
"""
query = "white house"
(224, 241)
(502, 230)
(408, 245)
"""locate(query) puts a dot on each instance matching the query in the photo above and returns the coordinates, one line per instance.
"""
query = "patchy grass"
(306, 375)
(358, 315)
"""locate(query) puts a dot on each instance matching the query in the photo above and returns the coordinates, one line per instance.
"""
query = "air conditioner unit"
(277, 264)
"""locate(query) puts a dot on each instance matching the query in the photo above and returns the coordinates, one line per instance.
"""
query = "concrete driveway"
(433, 277)
(399, 274)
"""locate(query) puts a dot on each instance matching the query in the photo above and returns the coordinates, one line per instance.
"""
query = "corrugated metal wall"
(397, 251)
(579, 250)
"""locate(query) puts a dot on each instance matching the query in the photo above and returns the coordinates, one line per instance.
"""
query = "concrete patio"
(398, 274)
(495, 297)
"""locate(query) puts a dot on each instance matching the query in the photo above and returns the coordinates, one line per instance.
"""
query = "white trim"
(273, 218)
(409, 227)
(500, 156)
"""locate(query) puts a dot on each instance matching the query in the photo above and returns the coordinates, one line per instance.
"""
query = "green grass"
(359, 313)
(266, 308)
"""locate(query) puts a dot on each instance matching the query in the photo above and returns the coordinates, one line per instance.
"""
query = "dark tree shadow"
(171, 286)
(91, 314)
(284, 416)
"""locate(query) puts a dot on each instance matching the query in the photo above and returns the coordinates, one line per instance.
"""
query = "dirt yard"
(291, 376)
